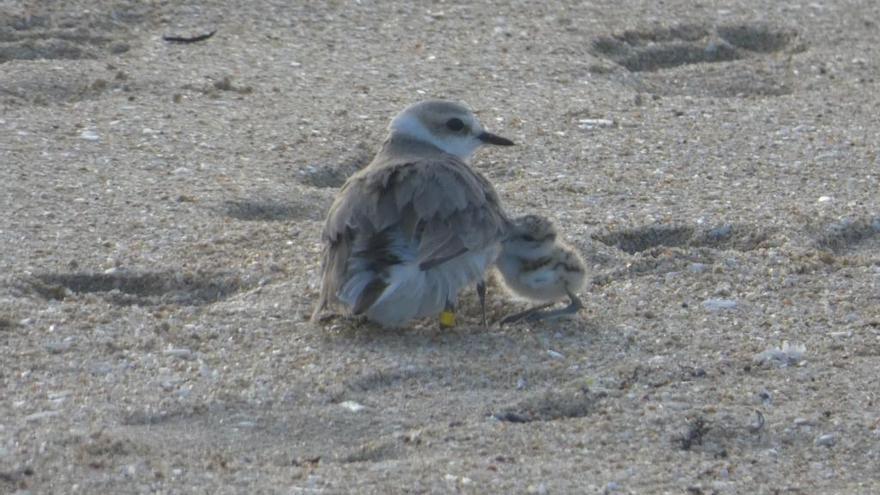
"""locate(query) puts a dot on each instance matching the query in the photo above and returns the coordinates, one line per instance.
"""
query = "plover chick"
(539, 266)
(406, 233)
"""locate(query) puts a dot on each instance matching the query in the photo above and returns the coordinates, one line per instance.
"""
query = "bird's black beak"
(489, 138)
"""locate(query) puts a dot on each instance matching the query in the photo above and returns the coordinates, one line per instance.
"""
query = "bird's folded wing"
(457, 209)
(441, 204)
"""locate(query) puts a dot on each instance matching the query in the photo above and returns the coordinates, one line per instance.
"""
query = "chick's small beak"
(489, 138)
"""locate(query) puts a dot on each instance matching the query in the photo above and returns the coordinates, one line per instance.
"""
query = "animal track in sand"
(274, 210)
(660, 60)
(54, 37)
(40, 34)
(659, 249)
(849, 234)
(727, 236)
(143, 289)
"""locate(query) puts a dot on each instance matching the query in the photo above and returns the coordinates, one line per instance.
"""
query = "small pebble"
(719, 304)
(554, 354)
(352, 406)
(169, 383)
(697, 267)
(59, 347)
(62, 394)
(101, 369)
(89, 135)
(539, 489)
(781, 357)
(41, 415)
(207, 372)
(590, 124)
(181, 353)
(826, 440)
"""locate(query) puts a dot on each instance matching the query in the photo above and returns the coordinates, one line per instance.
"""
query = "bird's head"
(531, 236)
(450, 126)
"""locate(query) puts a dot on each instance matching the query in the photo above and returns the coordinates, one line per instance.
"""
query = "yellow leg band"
(447, 319)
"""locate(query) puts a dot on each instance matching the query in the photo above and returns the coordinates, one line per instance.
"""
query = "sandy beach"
(717, 164)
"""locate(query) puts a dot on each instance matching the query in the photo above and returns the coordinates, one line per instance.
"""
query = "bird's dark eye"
(528, 238)
(455, 124)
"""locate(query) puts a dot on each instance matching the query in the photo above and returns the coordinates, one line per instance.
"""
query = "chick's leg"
(535, 314)
(522, 315)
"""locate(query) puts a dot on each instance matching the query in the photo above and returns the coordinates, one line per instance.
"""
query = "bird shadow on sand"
(424, 333)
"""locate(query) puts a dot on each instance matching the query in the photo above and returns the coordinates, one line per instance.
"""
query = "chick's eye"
(454, 124)
(528, 238)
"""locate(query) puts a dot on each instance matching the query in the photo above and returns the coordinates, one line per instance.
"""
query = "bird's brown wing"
(440, 204)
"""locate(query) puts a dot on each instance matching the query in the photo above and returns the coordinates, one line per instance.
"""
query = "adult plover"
(409, 231)
(539, 266)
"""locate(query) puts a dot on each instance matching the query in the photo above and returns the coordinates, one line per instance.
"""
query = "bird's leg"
(573, 307)
(481, 293)
(536, 314)
(447, 316)
(523, 314)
